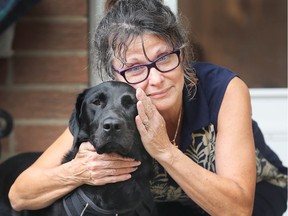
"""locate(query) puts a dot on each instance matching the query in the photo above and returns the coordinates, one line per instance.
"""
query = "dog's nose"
(112, 124)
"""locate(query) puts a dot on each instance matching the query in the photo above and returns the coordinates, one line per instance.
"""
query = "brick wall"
(39, 83)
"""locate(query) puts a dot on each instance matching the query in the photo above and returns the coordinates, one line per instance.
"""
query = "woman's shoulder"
(213, 81)
(208, 73)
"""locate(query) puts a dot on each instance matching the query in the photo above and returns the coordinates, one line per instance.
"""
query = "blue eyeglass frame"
(149, 66)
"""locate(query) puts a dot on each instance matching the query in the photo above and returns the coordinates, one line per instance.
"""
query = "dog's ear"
(75, 123)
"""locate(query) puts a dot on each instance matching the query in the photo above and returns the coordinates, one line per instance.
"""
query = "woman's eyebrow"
(157, 53)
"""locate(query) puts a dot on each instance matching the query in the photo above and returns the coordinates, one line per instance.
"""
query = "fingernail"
(139, 92)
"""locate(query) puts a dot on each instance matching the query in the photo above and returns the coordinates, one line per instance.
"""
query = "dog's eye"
(128, 101)
(99, 100)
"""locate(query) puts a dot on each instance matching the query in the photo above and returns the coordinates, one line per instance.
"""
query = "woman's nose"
(155, 76)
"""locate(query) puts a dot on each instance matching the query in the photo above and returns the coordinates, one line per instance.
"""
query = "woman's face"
(164, 89)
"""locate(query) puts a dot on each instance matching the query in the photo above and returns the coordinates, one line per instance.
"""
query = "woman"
(194, 120)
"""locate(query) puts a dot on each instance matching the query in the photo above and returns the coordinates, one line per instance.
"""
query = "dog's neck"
(78, 203)
(104, 199)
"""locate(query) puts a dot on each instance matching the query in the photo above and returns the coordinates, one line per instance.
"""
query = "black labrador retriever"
(104, 115)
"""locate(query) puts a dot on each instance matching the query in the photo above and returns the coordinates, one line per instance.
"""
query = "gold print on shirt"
(161, 186)
(268, 172)
(201, 151)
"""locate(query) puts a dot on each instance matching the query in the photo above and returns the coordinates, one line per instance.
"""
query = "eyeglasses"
(139, 73)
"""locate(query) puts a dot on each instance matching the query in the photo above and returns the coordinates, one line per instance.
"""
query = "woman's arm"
(41, 184)
(48, 180)
(231, 190)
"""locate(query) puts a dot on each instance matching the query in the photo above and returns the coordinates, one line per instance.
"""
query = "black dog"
(104, 115)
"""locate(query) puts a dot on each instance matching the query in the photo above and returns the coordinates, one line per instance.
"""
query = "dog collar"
(78, 204)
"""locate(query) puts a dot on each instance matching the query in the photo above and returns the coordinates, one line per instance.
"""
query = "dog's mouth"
(112, 147)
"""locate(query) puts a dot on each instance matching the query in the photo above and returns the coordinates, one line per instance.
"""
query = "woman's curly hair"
(126, 20)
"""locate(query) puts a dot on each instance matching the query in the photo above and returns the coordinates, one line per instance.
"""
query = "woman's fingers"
(114, 157)
(86, 146)
(91, 168)
(103, 173)
(110, 179)
(145, 106)
(115, 164)
(111, 171)
(151, 125)
(145, 120)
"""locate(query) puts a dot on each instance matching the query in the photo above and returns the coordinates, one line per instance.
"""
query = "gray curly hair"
(126, 20)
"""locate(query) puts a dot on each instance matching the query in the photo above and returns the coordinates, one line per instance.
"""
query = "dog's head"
(105, 116)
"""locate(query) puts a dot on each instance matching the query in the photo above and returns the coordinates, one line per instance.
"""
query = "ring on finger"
(90, 172)
(146, 124)
(110, 172)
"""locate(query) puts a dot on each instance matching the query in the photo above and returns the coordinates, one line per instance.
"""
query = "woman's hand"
(151, 126)
(91, 168)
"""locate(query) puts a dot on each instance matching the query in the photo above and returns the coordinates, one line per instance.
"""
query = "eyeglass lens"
(141, 72)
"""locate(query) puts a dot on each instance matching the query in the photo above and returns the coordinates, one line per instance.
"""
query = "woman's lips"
(159, 94)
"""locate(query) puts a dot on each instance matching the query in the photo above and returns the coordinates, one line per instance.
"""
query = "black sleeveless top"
(198, 136)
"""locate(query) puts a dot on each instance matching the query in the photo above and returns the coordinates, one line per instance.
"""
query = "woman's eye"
(136, 69)
(163, 58)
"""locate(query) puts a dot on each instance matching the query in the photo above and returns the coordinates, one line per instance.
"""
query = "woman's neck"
(173, 119)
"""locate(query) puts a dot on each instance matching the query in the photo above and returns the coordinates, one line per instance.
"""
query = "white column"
(173, 4)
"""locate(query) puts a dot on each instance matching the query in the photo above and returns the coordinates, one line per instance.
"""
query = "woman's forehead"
(148, 43)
